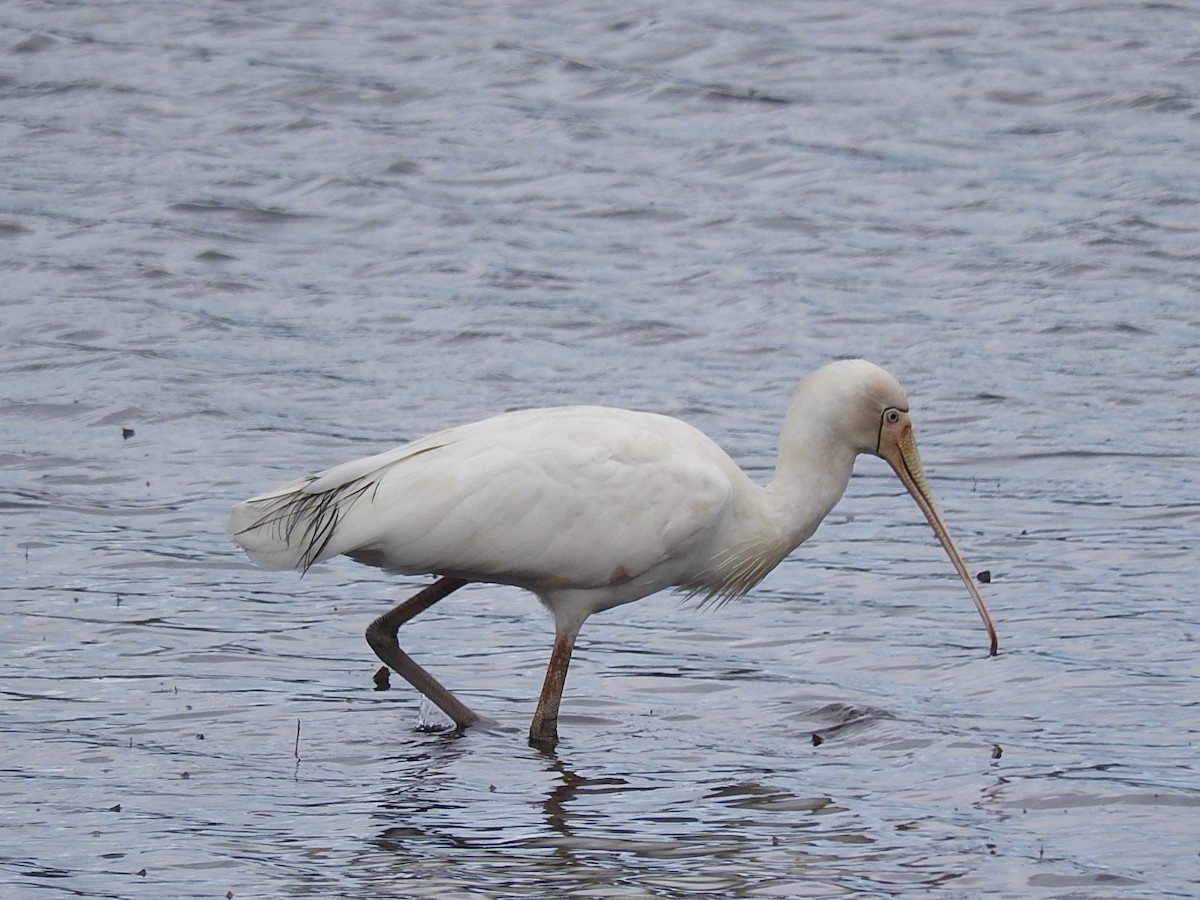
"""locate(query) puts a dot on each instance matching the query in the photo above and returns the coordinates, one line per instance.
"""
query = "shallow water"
(243, 242)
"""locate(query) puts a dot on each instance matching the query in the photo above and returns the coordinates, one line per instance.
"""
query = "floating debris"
(383, 679)
(817, 740)
(984, 577)
(997, 751)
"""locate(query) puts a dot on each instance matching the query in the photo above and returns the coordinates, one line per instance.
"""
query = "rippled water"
(243, 241)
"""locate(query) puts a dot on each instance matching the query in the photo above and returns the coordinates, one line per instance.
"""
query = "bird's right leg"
(543, 731)
(382, 636)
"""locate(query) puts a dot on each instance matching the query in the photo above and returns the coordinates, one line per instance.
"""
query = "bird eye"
(891, 416)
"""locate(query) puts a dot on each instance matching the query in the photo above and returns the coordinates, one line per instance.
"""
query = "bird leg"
(382, 635)
(544, 729)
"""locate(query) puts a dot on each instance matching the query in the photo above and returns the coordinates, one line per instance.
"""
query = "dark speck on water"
(278, 239)
(383, 678)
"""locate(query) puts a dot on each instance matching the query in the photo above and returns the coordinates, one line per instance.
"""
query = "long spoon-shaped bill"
(899, 448)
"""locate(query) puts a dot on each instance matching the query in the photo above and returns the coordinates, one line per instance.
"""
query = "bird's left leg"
(382, 635)
(544, 729)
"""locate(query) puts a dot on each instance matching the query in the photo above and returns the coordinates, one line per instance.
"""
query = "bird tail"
(319, 516)
(291, 527)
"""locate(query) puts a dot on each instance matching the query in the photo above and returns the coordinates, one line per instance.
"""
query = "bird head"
(870, 410)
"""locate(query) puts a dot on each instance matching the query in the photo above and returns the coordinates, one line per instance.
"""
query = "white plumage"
(587, 507)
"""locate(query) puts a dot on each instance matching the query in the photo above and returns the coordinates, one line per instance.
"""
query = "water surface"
(240, 243)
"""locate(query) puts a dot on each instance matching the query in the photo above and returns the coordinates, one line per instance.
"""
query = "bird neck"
(769, 522)
(811, 474)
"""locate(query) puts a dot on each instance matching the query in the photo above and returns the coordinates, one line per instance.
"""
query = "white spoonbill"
(588, 508)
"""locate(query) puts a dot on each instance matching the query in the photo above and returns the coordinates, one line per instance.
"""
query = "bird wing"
(565, 498)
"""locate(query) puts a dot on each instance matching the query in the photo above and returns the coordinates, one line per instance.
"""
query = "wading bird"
(588, 508)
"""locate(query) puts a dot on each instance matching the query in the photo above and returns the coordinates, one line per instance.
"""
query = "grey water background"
(240, 242)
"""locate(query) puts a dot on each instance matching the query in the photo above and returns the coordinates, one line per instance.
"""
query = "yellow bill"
(898, 446)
